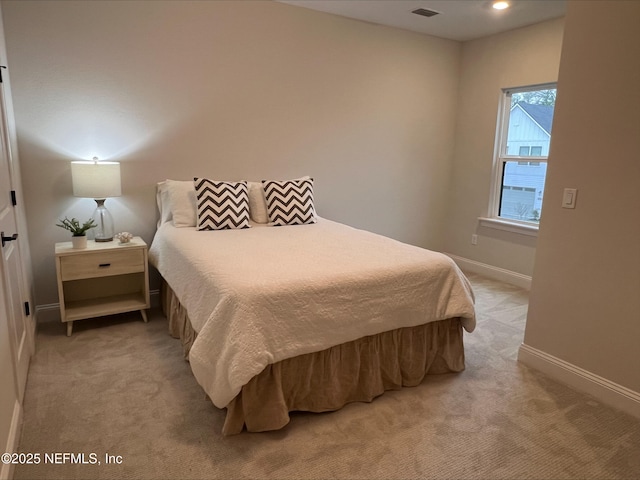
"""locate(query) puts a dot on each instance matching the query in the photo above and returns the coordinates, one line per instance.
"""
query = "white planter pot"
(79, 242)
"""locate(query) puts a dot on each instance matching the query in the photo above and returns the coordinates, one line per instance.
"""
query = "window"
(524, 130)
(526, 151)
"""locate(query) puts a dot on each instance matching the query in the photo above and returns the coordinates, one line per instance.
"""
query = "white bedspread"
(260, 295)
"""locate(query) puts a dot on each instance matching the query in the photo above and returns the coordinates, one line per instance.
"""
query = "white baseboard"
(497, 273)
(48, 312)
(6, 470)
(604, 390)
(154, 297)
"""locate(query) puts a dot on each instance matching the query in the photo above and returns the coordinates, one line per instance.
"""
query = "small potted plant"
(78, 231)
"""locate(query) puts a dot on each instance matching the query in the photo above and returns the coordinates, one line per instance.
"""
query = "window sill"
(509, 226)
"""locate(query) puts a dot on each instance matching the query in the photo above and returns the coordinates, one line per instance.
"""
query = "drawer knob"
(104, 265)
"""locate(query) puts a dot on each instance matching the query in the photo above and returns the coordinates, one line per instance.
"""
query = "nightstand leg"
(144, 315)
(69, 328)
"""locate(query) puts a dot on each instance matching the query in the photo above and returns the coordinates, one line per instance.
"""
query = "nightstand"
(103, 279)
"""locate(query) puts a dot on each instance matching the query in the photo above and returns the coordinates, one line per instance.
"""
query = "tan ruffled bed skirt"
(356, 371)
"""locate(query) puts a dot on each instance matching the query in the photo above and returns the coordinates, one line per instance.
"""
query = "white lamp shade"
(96, 179)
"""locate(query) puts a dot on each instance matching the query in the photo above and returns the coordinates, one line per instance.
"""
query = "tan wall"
(230, 90)
(525, 56)
(585, 297)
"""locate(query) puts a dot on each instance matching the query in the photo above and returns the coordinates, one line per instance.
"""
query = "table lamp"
(97, 180)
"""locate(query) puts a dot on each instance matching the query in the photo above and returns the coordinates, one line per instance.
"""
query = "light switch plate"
(569, 198)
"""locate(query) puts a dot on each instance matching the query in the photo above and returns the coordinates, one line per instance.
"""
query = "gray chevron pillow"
(221, 205)
(290, 202)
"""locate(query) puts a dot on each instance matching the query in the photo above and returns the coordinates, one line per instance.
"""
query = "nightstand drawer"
(102, 264)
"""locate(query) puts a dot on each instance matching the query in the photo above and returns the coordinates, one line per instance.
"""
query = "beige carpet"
(120, 387)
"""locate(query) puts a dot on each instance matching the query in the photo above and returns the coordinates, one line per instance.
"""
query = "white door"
(11, 265)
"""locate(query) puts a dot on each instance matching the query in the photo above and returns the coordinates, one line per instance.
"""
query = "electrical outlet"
(474, 239)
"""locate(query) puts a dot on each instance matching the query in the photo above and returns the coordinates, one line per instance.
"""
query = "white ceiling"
(457, 20)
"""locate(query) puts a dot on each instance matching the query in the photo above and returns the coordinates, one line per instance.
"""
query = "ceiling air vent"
(425, 13)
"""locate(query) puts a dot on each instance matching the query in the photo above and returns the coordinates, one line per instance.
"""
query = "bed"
(304, 317)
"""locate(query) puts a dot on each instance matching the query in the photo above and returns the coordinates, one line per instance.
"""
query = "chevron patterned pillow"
(221, 205)
(290, 202)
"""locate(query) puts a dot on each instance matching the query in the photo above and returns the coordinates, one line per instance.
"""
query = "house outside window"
(523, 139)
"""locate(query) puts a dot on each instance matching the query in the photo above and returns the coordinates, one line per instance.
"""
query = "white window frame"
(492, 220)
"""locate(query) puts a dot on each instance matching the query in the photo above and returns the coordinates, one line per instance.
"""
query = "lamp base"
(104, 230)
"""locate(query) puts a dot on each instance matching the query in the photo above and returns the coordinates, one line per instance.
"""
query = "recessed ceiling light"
(500, 5)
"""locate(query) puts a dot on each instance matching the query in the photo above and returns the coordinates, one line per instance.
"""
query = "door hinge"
(14, 200)
(27, 309)
(1, 66)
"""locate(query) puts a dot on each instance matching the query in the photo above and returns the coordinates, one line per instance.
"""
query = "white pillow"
(257, 203)
(162, 200)
(177, 202)
(182, 202)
